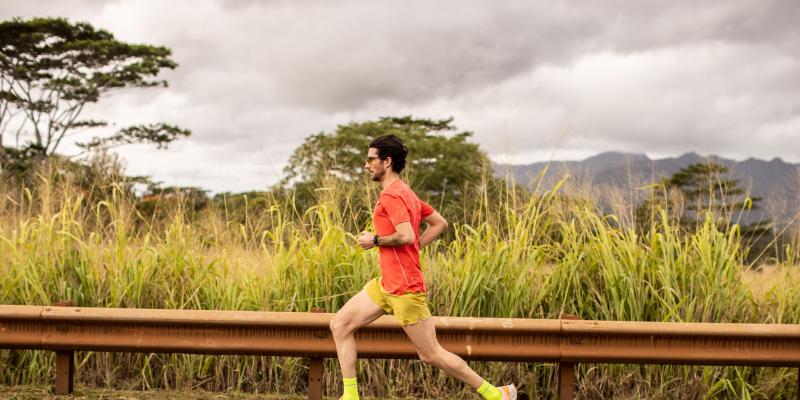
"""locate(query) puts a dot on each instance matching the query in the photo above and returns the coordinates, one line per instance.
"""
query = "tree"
(158, 201)
(50, 69)
(706, 188)
(433, 157)
(439, 166)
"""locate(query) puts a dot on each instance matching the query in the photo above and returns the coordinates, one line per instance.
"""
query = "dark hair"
(391, 146)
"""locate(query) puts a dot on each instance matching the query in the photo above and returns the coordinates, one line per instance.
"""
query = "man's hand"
(365, 240)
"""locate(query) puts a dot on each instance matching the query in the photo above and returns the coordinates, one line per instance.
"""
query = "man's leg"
(359, 311)
(423, 335)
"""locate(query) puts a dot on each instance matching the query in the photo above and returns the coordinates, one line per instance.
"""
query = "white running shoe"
(509, 392)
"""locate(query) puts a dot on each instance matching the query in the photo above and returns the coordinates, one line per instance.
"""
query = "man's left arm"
(403, 235)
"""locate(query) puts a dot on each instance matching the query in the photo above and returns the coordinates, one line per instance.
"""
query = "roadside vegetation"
(525, 256)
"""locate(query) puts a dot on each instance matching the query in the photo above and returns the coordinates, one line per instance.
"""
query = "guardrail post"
(566, 380)
(65, 371)
(65, 362)
(566, 372)
(315, 371)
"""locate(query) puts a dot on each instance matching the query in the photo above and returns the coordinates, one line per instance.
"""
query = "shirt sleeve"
(426, 209)
(395, 208)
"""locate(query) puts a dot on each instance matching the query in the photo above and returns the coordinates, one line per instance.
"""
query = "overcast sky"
(534, 80)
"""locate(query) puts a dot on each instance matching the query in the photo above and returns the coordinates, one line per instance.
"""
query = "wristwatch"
(375, 240)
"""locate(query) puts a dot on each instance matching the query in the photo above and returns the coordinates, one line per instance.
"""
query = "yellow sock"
(351, 389)
(489, 392)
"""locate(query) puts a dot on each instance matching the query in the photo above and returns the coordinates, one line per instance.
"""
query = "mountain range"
(776, 181)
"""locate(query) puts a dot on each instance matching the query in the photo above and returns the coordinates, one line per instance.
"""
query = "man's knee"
(432, 357)
(339, 325)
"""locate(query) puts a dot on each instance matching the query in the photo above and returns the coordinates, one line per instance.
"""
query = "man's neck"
(389, 179)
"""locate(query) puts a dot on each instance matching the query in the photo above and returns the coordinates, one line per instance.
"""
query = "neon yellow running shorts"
(409, 308)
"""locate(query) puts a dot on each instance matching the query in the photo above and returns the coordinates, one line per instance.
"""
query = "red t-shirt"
(400, 269)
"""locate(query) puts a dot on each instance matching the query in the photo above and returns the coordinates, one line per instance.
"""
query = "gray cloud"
(529, 78)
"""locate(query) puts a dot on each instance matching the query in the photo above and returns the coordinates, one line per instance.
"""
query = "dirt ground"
(82, 393)
(35, 393)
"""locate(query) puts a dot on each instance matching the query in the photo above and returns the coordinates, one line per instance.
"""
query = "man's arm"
(436, 225)
(403, 235)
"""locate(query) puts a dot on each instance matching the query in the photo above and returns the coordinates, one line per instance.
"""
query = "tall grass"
(527, 257)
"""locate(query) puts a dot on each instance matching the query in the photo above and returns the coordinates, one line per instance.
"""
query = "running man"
(401, 288)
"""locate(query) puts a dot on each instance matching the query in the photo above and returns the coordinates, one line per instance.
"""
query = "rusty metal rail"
(565, 341)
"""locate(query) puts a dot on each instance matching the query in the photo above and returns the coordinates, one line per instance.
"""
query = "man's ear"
(388, 158)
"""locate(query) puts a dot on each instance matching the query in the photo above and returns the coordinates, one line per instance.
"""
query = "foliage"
(434, 158)
(705, 186)
(159, 201)
(51, 69)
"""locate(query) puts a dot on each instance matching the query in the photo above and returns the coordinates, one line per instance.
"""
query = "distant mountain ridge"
(776, 181)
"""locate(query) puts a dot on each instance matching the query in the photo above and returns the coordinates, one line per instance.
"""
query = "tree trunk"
(3, 155)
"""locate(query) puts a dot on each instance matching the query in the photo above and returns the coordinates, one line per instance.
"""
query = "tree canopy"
(50, 69)
(433, 156)
(707, 189)
(441, 160)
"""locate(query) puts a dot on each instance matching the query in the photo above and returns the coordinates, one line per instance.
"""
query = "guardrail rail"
(566, 341)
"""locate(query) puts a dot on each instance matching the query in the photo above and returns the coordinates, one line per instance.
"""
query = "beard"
(377, 175)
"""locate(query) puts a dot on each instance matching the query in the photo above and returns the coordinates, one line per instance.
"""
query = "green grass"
(533, 257)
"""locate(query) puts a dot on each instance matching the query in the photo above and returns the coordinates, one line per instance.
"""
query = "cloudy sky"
(534, 80)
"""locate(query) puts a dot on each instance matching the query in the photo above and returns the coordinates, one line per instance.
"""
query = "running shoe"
(509, 392)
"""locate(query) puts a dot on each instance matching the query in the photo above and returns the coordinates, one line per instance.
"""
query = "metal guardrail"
(564, 341)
